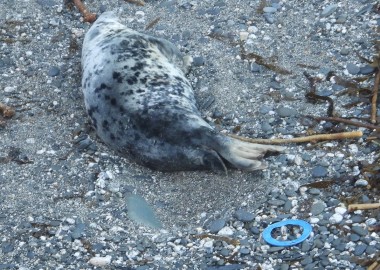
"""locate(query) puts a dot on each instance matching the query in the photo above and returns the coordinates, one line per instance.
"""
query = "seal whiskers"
(142, 105)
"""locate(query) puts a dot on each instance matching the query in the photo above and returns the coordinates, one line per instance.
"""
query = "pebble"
(53, 71)
(256, 68)
(330, 9)
(354, 237)
(319, 171)
(359, 249)
(366, 70)
(269, 9)
(336, 218)
(276, 202)
(243, 215)
(314, 191)
(198, 61)
(216, 225)
(286, 111)
(359, 230)
(352, 69)
(265, 109)
(100, 261)
(344, 51)
(317, 208)
(340, 210)
(361, 183)
(266, 127)
(226, 231)
(269, 18)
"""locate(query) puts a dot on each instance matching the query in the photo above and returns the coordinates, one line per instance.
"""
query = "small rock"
(367, 69)
(53, 71)
(266, 127)
(314, 191)
(286, 112)
(269, 10)
(216, 225)
(340, 210)
(336, 218)
(317, 208)
(100, 261)
(344, 51)
(353, 69)
(243, 35)
(244, 251)
(243, 215)
(256, 68)
(361, 183)
(307, 260)
(359, 249)
(359, 230)
(198, 61)
(209, 246)
(226, 231)
(354, 237)
(327, 11)
(305, 247)
(269, 18)
(319, 171)
(7, 247)
(276, 202)
(265, 109)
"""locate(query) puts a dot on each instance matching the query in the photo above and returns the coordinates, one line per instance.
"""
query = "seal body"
(142, 105)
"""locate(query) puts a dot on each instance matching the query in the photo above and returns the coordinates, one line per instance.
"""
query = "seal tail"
(244, 155)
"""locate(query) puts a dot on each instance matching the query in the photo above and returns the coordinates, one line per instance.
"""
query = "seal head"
(142, 105)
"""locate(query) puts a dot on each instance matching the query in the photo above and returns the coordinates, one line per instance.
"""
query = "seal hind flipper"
(244, 155)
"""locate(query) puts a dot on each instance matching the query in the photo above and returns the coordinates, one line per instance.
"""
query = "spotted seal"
(142, 105)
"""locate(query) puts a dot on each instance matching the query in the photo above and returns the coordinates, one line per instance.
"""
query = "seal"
(142, 105)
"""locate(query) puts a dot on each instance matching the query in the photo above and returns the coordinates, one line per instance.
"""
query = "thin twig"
(345, 121)
(374, 97)
(87, 16)
(152, 23)
(312, 138)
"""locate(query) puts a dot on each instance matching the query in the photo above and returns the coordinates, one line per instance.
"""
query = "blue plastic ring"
(303, 224)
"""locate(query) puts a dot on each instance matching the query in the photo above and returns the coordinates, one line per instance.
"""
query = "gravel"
(69, 202)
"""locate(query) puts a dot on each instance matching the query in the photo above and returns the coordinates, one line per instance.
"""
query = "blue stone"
(319, 171)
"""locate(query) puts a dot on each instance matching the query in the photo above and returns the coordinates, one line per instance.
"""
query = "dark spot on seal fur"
(117, 76)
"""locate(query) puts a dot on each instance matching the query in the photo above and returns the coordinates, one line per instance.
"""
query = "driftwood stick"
(312, 138)
(374, 97)
(87, 16)
(362, 206)
(374, 266)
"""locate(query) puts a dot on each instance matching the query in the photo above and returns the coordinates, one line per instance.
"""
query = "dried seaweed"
(312, 96)
(320, 184)
(263, 62)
